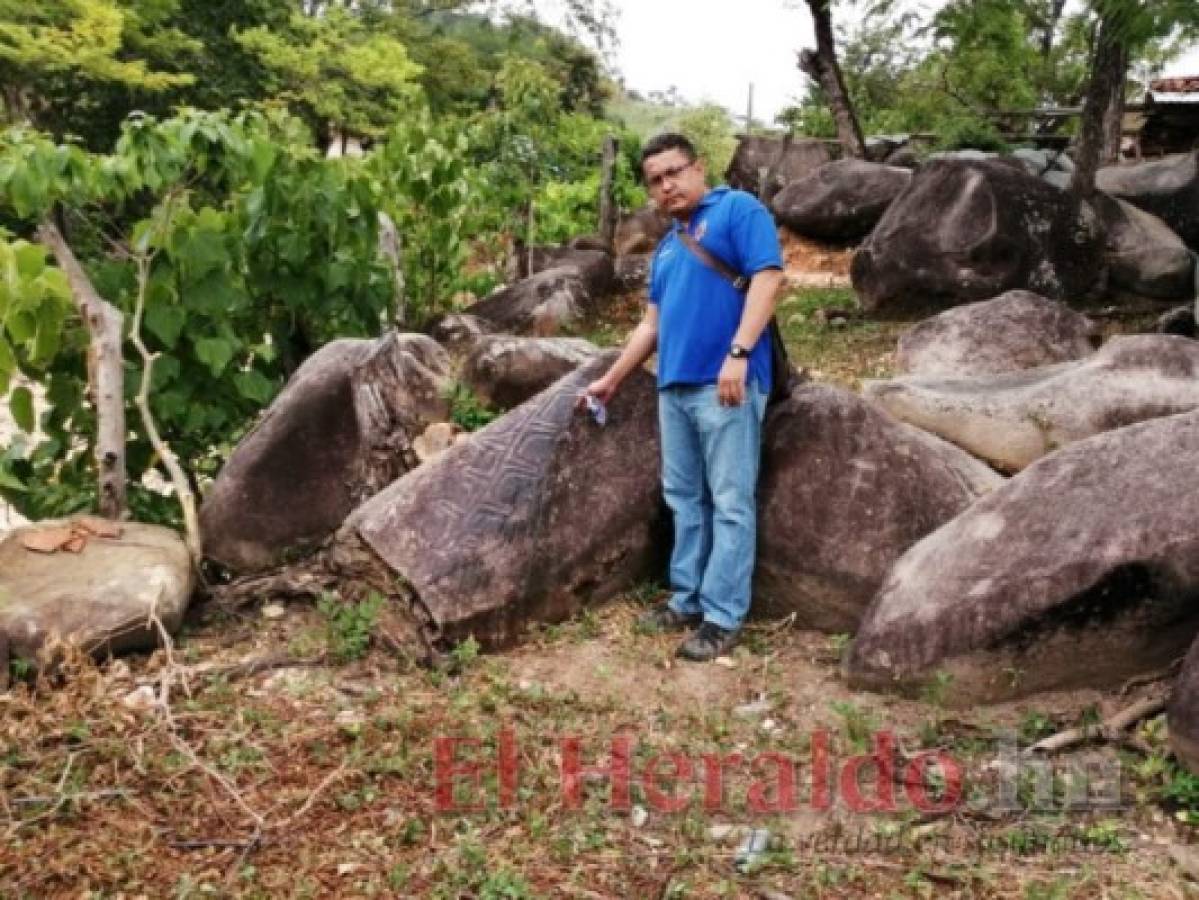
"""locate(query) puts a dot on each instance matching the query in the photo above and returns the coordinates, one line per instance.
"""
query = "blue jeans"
(710, 456)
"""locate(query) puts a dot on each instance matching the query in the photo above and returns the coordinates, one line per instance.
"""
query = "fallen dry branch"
(1111, 729)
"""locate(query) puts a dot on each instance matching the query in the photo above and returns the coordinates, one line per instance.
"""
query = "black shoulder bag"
(781, 373)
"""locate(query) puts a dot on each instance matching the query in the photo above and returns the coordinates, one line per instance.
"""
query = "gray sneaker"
(663, 618)
(707, 642)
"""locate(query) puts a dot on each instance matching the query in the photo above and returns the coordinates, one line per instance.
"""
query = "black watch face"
(738, 352)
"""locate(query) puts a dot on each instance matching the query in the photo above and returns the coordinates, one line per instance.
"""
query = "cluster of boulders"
(969, 225)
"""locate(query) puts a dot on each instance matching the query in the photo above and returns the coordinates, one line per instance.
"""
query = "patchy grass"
(322, 780)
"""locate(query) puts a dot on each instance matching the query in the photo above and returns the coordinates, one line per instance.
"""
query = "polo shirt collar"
(708, 199)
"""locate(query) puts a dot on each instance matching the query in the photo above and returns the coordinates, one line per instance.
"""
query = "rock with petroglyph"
(505, 371)
(1143, 255)
(106, 597)
(970, 229)
(844, 491)
(1167, 188)
(1011, 420)
(594, 267)
(841, 201)
(1014, 331)
(341, 430)
(458, 332)
(1080, 572)
(537, 515)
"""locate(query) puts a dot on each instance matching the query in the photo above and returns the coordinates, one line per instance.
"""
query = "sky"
(714, 49)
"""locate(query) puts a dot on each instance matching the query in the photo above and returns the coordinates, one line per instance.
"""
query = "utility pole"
(749, 111)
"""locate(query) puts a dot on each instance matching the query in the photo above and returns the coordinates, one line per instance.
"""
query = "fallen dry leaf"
(105, 528)
(47, 540)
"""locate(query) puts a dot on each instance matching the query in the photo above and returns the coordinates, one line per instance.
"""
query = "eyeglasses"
(672, 173)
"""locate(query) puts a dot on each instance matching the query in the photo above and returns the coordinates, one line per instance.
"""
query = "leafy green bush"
(349, 625)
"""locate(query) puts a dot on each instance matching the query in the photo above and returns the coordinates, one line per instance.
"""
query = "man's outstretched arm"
(637, 349)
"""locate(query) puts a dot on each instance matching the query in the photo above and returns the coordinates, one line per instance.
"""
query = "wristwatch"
(738, 352)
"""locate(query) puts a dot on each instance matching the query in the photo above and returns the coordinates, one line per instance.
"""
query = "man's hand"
(730, 387)
(602, 389)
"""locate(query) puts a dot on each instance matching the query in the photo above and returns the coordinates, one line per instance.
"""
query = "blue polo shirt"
(698, 310)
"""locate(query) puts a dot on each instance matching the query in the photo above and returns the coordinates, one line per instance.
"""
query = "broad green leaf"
(10, 482)
(31, 259)
(214, 353)
(21, 404)
(166, 323)
(254, 386)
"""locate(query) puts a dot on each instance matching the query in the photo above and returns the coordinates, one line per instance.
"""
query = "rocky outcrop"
(100, 598)
(1168, 188)
(840, 201)
(640, 231)
(765, 165)
(537, 515)
(1082, 571)
(966, 230)
(1015, 331)
(1012, 420)
(542, 304)
(458, 332)
(632, 272)
(845, 491)
(1143, 255)
(341, 430)
(506, 371)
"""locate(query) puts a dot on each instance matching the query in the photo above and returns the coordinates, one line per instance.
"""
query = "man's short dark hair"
(668, 140)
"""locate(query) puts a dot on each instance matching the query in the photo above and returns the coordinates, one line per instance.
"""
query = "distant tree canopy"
(950, 73)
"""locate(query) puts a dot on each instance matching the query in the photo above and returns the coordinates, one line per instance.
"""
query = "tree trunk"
(607, 203)
(1106, 72)
(106, 375)
(1113, 117)
(821, 65)
(1055, 16)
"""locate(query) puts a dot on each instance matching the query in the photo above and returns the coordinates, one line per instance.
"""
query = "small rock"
(436, 439)
(726, 661)
(720, 833)
(274, 611)
(142, 699)
(348, 868)
(769, 725)
(749, 710)
(349, 718)
(639, 816)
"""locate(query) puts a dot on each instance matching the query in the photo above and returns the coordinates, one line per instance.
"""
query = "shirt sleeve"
(655, 287)
(755, 236)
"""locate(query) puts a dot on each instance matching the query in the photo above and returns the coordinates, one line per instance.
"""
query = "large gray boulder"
(845, 490)
(966, 230)
(594, 267)
(1011, 420)
(1182, 713)
(1014, 331)
(340, 430)
(1143, 255)
(537, 515)
(1080, 572)
(640, 231)
(100, 598)
(543, 304)
(505, 371)
(1168, 188)
(764, 165)
(841, 201)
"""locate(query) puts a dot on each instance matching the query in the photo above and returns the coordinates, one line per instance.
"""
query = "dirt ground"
(282, 750)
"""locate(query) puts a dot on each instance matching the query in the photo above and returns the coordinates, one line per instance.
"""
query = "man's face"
(675, 183)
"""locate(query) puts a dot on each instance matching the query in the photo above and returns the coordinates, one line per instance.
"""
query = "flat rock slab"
(845, 491)
(505, 371)
(340, 430)
(100, 598)
(1168, 188)
(1009, 333)
(538, 514)
(1082, 571)
(1011, 420)
(842, 200)
(971, 229)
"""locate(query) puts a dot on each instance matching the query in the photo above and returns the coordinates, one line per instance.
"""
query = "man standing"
(714, 360)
